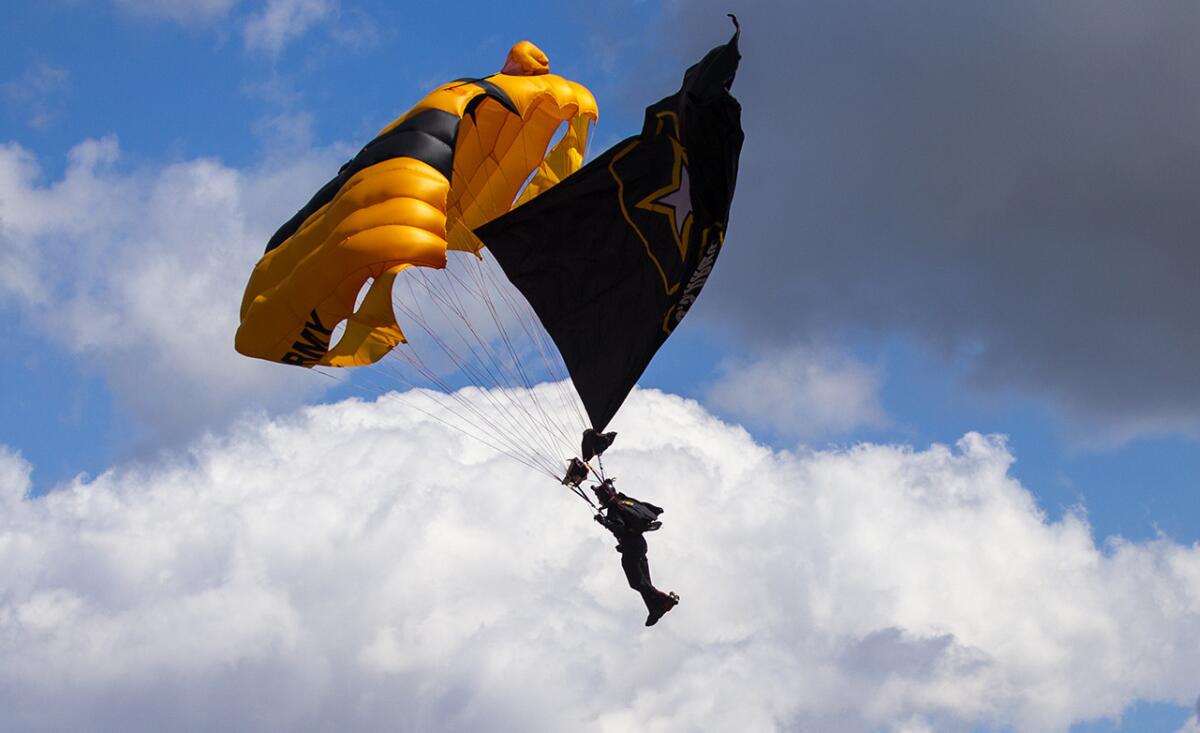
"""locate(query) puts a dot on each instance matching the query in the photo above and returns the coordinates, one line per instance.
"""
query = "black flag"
(612, 258)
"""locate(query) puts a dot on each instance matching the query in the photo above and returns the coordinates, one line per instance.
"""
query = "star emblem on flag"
(674, 200)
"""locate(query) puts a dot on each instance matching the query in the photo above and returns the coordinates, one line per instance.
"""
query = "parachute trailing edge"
(612, 258)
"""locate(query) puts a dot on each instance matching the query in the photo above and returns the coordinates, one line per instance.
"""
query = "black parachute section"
(612, 258)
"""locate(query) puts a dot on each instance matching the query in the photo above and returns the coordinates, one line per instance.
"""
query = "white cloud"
(357, 31)
(281, 21)
(18, 257)
(800, 392)
(268, 27)
(359, 566)
(184, 12)
(36, 93)
(140, 273)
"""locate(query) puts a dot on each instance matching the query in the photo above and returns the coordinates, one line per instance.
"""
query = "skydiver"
(627, 519)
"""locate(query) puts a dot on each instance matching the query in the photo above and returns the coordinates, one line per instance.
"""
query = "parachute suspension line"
(408, 405)
(470, 415)
(519, 376)
(513, 451)
(485, 290)
(414, 357)
(473, 416)
(520, 425)
(554, 366)
(579, 492)
(444, 397)
(444, 297)
(520, 422)
(553, 418)
(536, 336)
(478, 418)
(550, 356)
(545, 419)
(471, 369)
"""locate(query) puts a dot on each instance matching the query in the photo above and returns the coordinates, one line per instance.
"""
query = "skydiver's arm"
(612, 524)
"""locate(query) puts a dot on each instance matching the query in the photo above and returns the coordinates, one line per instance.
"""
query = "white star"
(679, 200)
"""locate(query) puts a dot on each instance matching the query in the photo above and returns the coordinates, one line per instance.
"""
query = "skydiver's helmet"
(605, 492)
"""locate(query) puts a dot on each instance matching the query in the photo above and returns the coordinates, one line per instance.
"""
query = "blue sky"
(266, 98)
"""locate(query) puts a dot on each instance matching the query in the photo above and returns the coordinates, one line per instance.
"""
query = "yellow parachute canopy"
(453, 162)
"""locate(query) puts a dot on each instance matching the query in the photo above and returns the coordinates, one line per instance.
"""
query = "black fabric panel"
(427, 136)
(606, 276)
(489, 90)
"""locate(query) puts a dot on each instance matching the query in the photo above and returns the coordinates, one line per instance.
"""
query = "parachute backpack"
(642, 517)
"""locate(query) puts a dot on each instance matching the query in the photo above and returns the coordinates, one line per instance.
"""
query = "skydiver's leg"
(637, 572)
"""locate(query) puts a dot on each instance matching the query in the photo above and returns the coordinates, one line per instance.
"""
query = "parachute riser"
(578, 469)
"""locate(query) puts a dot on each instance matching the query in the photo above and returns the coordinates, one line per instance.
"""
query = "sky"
(927, 443)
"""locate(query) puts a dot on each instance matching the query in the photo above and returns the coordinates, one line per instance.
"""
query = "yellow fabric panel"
(461, 239)
(453, 97)
(479, 135)
(397, 180)
(372, 331)
(497, 152)
(387, 215)
(562, 161)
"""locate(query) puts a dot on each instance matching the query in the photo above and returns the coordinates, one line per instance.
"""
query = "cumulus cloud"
(140, 274)
(361, 566)
(1010, 183)
(281, 21)
(800, 392)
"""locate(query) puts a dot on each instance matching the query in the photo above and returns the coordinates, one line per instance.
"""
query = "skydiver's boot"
(664, 603)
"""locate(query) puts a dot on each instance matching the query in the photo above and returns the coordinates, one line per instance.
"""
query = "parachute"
(512, 264)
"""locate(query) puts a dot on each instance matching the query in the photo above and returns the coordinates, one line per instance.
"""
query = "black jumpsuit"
(632, 546)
